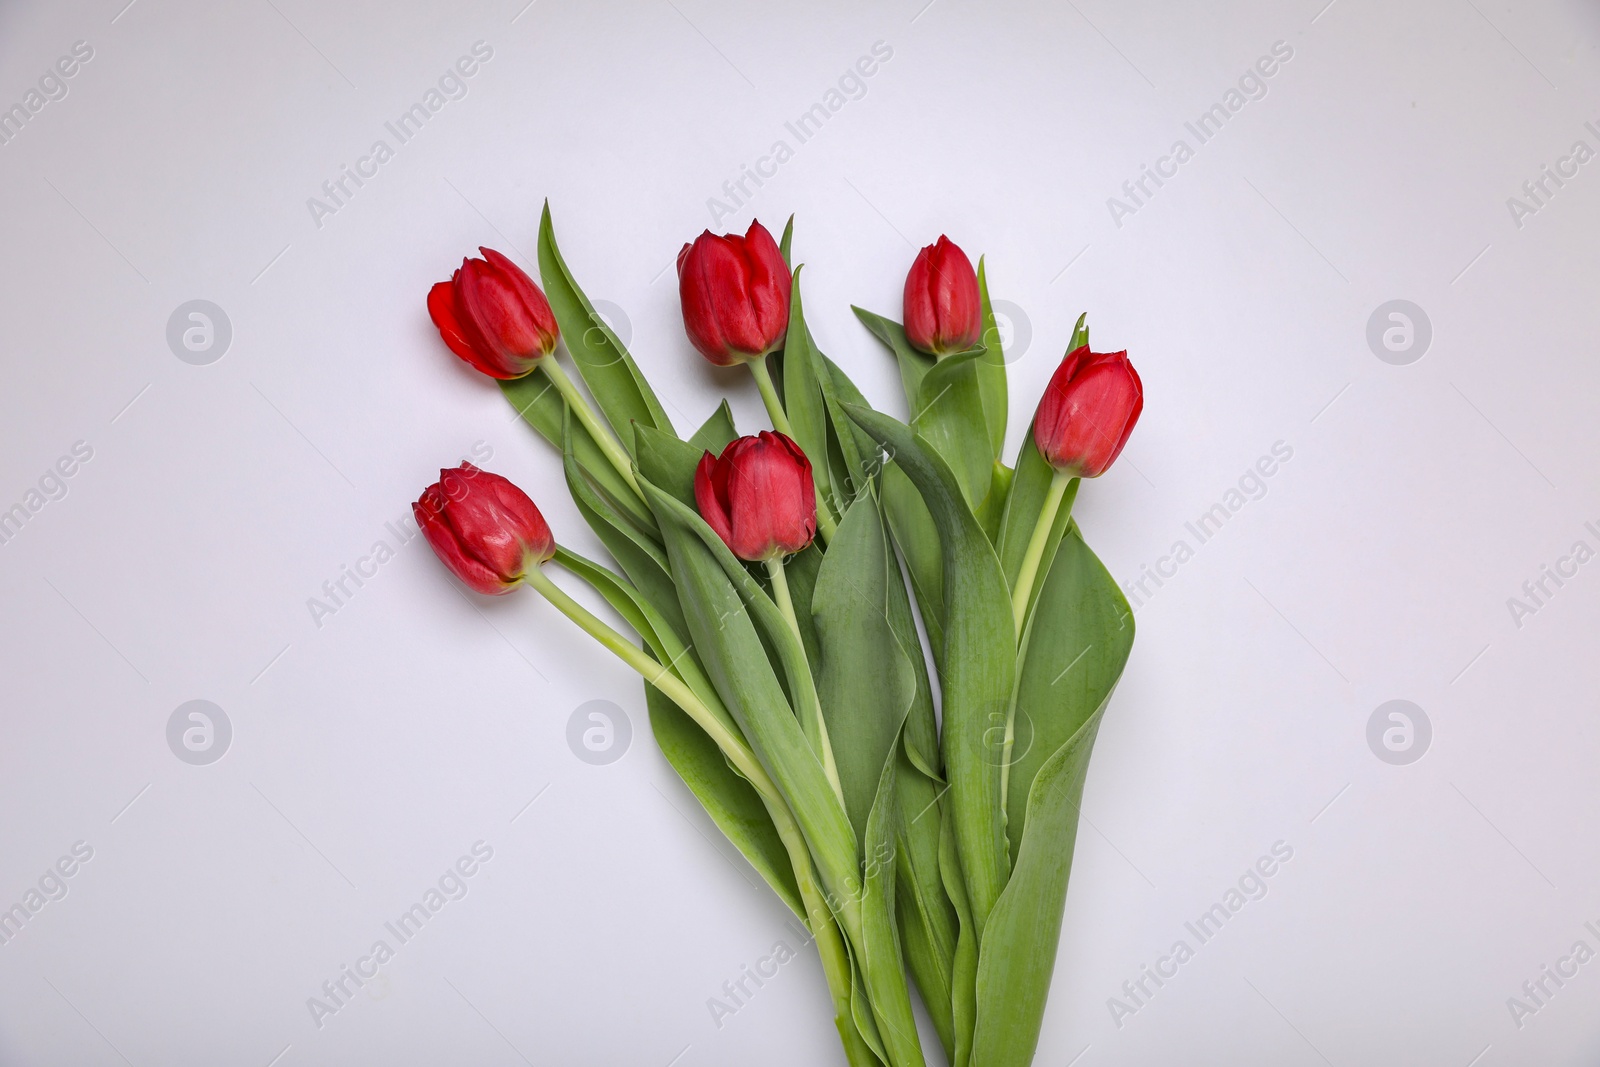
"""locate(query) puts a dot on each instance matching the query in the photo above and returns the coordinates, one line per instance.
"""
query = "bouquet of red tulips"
(769, 590)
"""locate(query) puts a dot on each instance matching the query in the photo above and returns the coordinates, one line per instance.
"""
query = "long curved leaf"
(991, 370)
(864, 680)
(715, 433)
(882, 963)
(722, 621)
(802, 394)
(621, 392)
(1075, 647)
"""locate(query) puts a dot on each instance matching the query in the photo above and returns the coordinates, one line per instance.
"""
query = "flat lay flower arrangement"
(875, 652)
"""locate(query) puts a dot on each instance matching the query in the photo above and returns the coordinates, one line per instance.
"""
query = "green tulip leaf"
(964, 964)
(991, 371)
(857, 451)
(803, 401)
(918, 538)
(1074, 650)
(716, 432)
(865, 680)
(945, 404)
(977, 668)
(786, 239)
(949, 413)
(927, 919)
(991, 513)
(667, 461)
(619, 389)
(913, 365)
(861, 1011)
(801, 570)
(882, 964)
(928, 924)
(909, 521)
(721, 604)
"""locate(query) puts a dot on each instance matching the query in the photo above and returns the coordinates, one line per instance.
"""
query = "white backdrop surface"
(1421, 496)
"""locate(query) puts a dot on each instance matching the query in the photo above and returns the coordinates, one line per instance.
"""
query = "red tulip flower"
(758, 496)
(941, 304)
(735, 294)
(1087, 411)
(485, 529)
(492, 315)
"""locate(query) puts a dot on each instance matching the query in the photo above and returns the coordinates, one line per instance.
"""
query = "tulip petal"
(735, 295)
(491, 303)
(442, 310)
(429, 513)
(711, 503)
(1088, 411)
(942, 305)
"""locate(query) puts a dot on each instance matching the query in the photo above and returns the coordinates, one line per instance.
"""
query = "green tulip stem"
(1063, 486)
(830, 945)
(769, 397)
(599, 431)
(816, 732)
(826, 525)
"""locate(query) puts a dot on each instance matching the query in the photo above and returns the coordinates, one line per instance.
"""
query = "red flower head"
(735, 293)
(1087, 411)
(485, 529)
(492, 315)
(758, 496)
(941, 306)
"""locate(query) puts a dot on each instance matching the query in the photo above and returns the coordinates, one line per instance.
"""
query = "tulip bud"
(485, 529)
(941, 303)
(758, 496)
(492, 315)
(735, 294)
(1087, 411)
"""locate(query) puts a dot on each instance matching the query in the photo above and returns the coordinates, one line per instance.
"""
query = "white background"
(371, 751)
